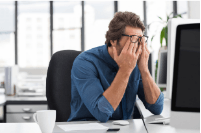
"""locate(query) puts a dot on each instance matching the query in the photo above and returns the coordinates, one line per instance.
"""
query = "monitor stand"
(185, 120)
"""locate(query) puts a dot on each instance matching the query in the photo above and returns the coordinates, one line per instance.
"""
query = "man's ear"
(113, 43)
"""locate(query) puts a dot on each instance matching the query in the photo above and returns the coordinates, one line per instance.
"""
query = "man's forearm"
(115, 92)
(151, 90)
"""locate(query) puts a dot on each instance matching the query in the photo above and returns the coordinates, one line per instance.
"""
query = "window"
(28, 28)
(182, 8)
(28, 20)
(28, 37)
(28, 45)
(98, 14)
(34, 26)
(7, 26)
(39, 20)
(67, 16)
(33, 15)
(157, 9)
(39, 36)
(39, 28)
(132, 6)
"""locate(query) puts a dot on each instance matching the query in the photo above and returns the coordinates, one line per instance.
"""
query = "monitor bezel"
(175, 70)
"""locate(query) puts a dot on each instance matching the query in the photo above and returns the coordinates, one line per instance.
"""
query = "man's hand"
(151, 90)
(144, 57)
(128, 56)
(126, 61)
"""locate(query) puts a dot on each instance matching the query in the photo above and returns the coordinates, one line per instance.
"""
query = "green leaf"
(152, 38)
(178, 15)
(168, 18)
(156, 70)
(171, 14)
(160, 18)
(162, 35)
(175, 16)
(166, 35)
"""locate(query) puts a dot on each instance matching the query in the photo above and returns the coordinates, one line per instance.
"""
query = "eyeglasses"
(135, 38)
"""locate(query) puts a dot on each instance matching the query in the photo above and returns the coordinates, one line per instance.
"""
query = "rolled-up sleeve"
(85, 77)
(155, 108)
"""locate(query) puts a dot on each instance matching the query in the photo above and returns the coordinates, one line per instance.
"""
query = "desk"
(160, 128)
(135, 126)
(17, 108)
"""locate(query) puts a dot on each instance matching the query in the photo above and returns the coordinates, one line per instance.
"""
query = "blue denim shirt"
(92, 73)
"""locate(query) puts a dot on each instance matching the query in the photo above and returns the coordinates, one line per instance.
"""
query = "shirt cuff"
(105, 107)
(158, 102)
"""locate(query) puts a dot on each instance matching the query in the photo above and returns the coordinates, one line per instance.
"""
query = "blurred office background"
(31, 31)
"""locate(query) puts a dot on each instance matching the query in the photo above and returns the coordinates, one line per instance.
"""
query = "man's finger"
(139, 50)
(147, 48)
(131, 47)
(143, 48)
(135, 48)
(143, 42)
(126, 46)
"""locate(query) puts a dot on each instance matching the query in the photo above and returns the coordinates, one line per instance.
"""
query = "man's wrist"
(125, 72)
(144, 71)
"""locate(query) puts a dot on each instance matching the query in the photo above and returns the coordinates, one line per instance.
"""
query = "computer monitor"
(185, 104)
(162, 68)
(172, 26)
(151, 64)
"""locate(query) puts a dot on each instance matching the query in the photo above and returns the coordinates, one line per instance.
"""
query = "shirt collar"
(109, 59)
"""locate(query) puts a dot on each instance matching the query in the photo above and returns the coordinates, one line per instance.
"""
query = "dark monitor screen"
(186, 75)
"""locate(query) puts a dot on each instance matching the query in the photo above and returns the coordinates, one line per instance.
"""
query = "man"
(105, 80)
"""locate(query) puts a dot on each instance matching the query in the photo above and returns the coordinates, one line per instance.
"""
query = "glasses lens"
(134, 38)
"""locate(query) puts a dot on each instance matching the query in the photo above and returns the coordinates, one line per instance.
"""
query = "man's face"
(128, 31)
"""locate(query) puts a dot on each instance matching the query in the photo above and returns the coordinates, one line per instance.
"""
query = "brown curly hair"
(119, 22)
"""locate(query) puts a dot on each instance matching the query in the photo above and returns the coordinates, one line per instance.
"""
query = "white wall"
(194, 9)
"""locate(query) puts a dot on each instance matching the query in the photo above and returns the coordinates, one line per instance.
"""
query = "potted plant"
(163, 37)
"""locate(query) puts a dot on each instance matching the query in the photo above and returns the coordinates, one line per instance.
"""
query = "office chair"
(58, 83)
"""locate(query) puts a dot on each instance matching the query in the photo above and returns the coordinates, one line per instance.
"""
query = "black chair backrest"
(58, 83)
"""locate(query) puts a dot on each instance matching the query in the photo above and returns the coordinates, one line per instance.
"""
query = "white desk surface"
(147, 114)
(160, 128)
(16, 98)
(4, 98)
(135, 126)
